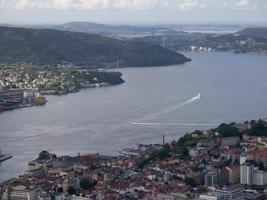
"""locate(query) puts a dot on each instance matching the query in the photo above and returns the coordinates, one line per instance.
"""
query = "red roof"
(258, 152)
(86, 157)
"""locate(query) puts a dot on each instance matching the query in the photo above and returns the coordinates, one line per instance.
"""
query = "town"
(225, 163)
(23, 84)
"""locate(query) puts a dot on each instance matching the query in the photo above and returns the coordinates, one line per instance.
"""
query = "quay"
(5, 157)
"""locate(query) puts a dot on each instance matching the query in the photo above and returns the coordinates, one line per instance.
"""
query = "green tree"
(261, 166)
(60, 190)
(71, 190)
(86, 184)
(227, 130)
(190, 181)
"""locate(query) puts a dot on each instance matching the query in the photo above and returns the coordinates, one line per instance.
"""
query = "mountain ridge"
(47, 46)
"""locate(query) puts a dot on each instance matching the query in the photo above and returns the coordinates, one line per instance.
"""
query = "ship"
(40, 100)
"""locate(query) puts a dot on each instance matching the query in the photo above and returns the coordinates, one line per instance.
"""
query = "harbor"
(11, 99)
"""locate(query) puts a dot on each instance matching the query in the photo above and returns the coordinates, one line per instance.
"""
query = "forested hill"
(256, 32)
(46, 46)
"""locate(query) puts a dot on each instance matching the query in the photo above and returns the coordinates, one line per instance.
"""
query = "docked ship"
(40, 101)
(10, 99)
(19, 98)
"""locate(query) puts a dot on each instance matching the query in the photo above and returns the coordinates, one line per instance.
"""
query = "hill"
(246, 41)
(256, 32)
(46, 46)
(119, 30)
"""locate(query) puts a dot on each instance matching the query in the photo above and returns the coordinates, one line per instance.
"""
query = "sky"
(133, 11)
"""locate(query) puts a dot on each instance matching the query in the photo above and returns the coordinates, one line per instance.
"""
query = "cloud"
(85, 4)
(189, 4)
(102, 4)
(245, 4)
(242, 3)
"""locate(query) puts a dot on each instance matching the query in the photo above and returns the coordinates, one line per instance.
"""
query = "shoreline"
(100, 85)
(83, 88)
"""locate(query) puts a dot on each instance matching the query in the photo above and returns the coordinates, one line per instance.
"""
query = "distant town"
(24, 84)
(225, 163)
(245, 41)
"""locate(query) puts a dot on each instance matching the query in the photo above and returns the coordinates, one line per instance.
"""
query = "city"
(213, 164)
(133, 100)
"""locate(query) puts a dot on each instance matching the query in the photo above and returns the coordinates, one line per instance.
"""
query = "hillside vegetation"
(46, 46)
(256, 32)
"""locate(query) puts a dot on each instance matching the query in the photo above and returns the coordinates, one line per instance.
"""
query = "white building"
(18, 193)
(234, 192)
(211, 196)
(251, 175)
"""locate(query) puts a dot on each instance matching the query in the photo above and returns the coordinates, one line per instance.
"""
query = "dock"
(5, 157)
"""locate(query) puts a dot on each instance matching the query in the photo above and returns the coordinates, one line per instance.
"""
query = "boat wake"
(171, 124)
(171, 109)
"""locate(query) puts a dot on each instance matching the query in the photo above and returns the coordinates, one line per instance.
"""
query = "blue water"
(233, 87)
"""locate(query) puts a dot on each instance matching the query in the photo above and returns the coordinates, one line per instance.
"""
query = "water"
(153, 102)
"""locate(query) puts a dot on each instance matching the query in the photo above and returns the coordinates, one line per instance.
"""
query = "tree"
(60, 190)
(86, 184)
(190, 181)
(184, 153)
(258, 128)
(227, 130)
(261, 166)
(71, 190)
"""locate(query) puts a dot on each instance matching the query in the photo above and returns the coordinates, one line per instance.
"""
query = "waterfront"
(232, 87)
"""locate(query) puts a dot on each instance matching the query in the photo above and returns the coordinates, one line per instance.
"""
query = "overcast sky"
(133, 11)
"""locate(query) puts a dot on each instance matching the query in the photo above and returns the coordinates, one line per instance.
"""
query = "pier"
(4, 157)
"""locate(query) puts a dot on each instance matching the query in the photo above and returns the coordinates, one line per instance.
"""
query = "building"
(259, 155)
(233, 174)
(207, 144)
(211, 196)
(251, 175)
(211, 178)
(18, 193)
(193, 152)
(246, 170)
(231, 154)
(12, 94)
(41, 165)
(227, 142)
(256, 141)
(254, 196)
(11, 99)
(234, 192)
